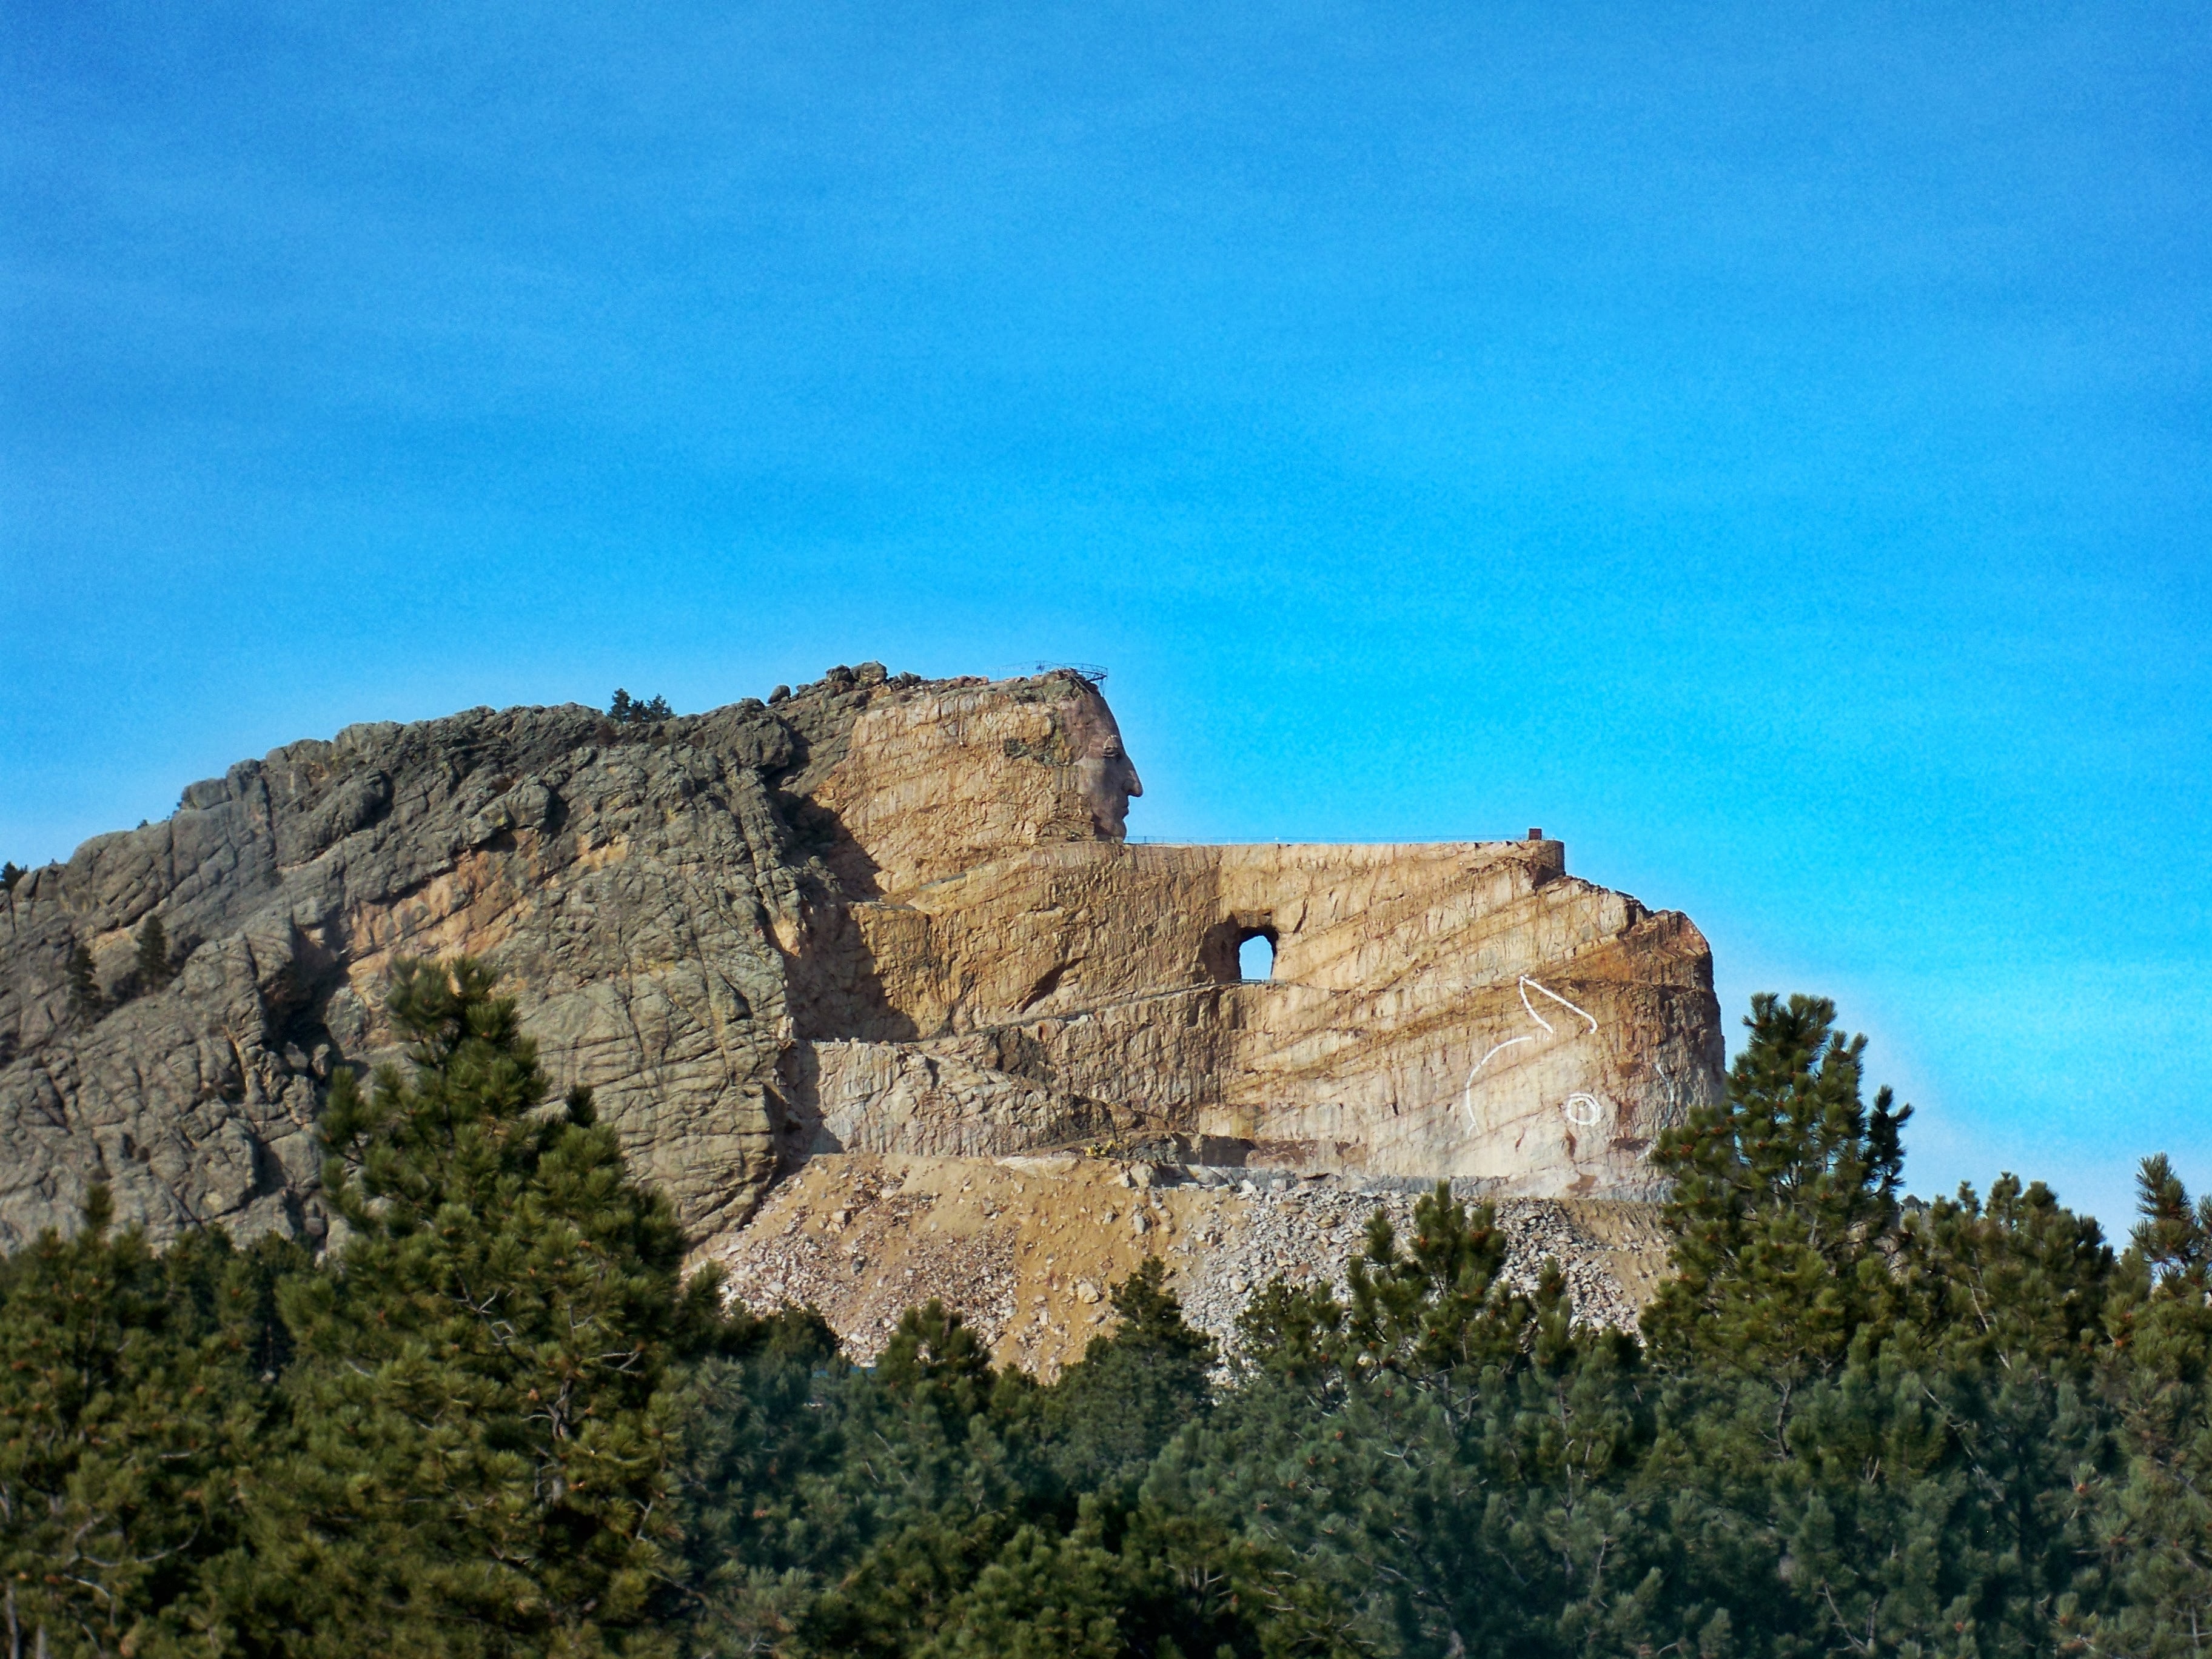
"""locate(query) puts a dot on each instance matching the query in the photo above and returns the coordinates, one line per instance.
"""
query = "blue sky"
(1766, 447)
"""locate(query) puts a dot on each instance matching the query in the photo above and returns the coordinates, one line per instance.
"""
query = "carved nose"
(1136, 787)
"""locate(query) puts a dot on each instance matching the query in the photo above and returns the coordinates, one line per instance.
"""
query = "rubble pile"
(1027, 1250)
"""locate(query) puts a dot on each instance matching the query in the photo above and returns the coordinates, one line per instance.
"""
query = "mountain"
(875, 925)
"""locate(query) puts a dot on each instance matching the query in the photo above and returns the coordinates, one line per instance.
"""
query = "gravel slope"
(1024, 1249)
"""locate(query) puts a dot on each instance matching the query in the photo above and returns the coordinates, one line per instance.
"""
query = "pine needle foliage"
(135, 1392)
(86, 1001)
(495, 1419)
(1132, 1392)
(151, 955)
(484, 1453)
(2156, 1519)
(1784, 1211)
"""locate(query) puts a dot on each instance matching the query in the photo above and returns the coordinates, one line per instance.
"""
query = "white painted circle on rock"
(1583, 1110)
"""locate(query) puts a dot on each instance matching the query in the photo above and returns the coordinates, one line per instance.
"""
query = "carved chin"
(1112, 817)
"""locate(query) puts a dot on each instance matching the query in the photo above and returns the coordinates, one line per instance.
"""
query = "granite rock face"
(883, 916)
(1453, 1010)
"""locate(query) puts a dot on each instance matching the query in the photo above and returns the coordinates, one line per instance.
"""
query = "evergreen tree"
(1784, 1212)
(10, 873)
(1889, 1412)
(1132, 1391)
(2156, 1522)
(626, 710)
(1043, 1597)
(1434, 1467)
(2021, 1280)
(764, 1433)
(937, 1506)
(1114, 1581)
(944, 1472)
(87, 1001)
(153, 954)
(134, 1390)
(484, 1463)
(494, 1421)
(1441, 1305)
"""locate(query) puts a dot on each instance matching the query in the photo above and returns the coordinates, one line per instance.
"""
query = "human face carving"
(1102, 771)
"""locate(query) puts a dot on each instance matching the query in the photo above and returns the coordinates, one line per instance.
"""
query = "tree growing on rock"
(626, 710)
(86, 1001)
(152, 959)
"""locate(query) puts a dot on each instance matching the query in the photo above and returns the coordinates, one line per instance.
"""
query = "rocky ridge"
(882, 918)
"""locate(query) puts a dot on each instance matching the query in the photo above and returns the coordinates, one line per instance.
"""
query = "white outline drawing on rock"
(1467, 1090)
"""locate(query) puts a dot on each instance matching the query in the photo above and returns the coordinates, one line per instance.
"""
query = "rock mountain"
(882, 918)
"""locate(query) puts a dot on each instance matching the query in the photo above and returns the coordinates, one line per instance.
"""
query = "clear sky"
(1765, 445)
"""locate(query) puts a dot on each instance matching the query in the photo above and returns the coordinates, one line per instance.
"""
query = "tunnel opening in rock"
(1255, 955)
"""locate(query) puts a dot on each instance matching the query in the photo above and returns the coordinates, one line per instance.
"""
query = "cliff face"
(883, 917)
(658, 898)
(1457, 1010)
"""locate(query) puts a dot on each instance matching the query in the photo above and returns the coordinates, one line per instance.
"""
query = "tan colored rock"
(885, 916)
(937, 781)
(1459, 1010)
(1023, 1247)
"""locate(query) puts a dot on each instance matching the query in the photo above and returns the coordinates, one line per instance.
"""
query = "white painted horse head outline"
(1581, 1110)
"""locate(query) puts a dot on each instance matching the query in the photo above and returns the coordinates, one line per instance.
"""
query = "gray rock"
(627, 883)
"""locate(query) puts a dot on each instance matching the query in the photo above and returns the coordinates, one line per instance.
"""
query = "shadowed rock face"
(883, 915)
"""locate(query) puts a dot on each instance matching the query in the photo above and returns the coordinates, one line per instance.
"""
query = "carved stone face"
(1102, 771)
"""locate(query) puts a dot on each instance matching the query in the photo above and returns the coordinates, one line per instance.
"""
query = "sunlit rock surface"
(883, 916)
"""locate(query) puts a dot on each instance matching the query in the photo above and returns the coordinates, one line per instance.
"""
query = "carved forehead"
(1091, 726)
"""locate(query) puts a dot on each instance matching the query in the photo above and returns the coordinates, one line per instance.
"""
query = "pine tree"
(2020, 1277)
(485, 1459)
(1112, 1411)
(1419, 1468)
(934, 1490)
(1784, 1212)
(1890, 1409)
(134, 1389)
(1437, 1303)
(10, 873)
(1441, 1304)
(763, 1432)
(1042, 1598)
(86, 1001)
(153, 956)
(2157, 1521)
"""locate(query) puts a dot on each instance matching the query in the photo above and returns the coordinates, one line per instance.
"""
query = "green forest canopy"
(497, 1419)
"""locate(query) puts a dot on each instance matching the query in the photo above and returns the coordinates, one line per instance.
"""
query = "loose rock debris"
(1026, 1248)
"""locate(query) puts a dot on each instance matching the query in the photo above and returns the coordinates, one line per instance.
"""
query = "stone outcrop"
(1460, 1009)
(884, 917)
